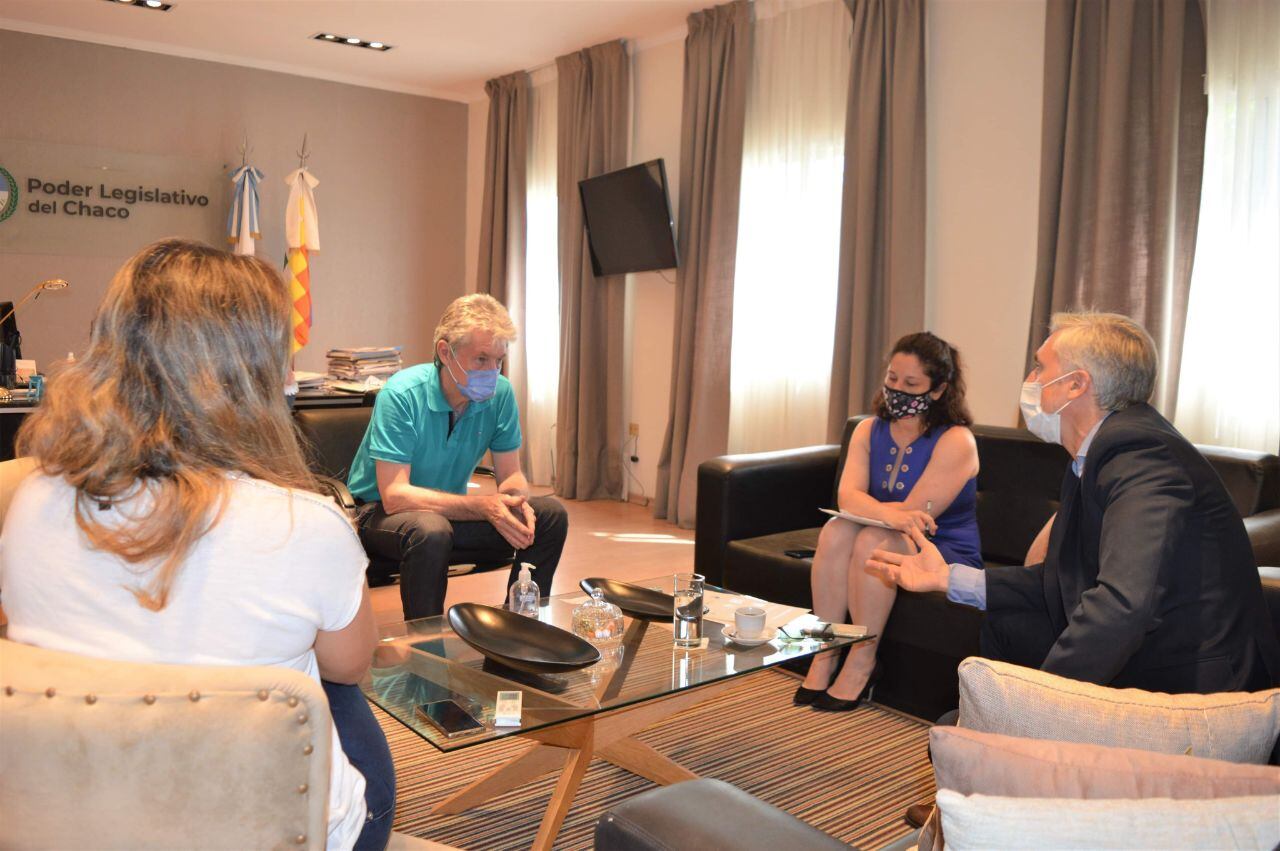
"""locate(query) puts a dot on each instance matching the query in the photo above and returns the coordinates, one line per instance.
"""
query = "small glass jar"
(598, 621)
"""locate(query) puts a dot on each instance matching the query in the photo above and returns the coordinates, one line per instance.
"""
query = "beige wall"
(657, 91)
(477, 124)
(392, 173)
(984, 77)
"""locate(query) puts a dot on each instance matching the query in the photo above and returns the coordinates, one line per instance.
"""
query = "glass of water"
(687, 618)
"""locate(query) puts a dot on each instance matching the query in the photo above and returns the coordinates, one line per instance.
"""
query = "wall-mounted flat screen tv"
(628, 216)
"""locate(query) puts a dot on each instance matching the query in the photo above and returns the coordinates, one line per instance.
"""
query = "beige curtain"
(881, 282)
(592, 127)
(717, 55)
(1122, 153)
(501, 268)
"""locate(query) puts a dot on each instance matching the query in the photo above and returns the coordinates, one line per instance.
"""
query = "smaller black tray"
(632, 599)
(520, 642)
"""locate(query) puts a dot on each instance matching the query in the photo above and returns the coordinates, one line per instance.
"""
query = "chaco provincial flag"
(302, 236)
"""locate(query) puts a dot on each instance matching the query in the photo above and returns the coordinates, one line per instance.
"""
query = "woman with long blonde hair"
(172, 517)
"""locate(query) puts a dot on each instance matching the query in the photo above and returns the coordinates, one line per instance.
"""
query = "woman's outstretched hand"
(925, 570)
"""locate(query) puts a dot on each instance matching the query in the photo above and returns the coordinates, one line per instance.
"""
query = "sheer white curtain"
(1229, 391)
(789, 226)
(542, 287)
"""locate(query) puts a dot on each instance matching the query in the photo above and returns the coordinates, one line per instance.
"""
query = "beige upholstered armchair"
(104, 754)
(101, 754)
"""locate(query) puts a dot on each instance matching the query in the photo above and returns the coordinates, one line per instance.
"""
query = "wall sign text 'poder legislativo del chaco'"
(69, 198)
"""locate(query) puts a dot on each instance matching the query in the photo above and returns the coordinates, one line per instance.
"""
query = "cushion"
(996, 697)
(969, 762)
(987, 821)
(1019, 480)
(759, 566)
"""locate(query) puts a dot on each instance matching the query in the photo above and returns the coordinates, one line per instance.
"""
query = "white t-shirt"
(279, 566)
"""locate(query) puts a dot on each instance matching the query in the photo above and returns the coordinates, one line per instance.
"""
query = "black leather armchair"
(705, 813)
(331, 436)
(753, 508)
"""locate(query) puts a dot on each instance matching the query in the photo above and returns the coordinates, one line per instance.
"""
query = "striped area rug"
(850, 774)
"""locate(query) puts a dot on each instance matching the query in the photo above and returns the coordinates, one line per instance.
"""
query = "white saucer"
(730, 633)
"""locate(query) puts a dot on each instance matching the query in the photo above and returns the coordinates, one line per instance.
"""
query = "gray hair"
(475, 312)
(1117, 352)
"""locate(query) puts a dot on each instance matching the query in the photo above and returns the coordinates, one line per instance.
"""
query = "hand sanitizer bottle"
(523, 597)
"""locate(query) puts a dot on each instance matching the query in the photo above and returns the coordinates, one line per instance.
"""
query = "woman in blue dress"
(914, 464)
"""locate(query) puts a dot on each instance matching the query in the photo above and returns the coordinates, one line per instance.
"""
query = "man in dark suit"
(1149, 580)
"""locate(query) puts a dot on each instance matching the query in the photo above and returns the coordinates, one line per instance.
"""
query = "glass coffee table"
(594, 711)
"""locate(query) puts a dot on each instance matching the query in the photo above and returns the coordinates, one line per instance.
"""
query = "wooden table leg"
(573, 744)
(566, 786)
(518, 771)
(638, 758)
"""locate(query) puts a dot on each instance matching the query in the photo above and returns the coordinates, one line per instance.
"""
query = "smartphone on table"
(448, 717)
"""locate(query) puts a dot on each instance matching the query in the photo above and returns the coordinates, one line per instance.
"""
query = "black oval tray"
(520, 642)
(632, 599)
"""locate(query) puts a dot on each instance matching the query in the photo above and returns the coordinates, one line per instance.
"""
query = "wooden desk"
(13, 413)
(311, 400)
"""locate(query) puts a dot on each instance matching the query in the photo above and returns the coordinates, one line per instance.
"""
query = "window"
(789, 226)
(542, 287)
(1229, 386)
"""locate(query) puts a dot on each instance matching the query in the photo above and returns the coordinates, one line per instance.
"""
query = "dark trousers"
(1021, 636)
(365, 745)
(425, 544)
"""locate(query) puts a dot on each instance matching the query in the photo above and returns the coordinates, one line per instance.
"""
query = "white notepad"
(856, 518)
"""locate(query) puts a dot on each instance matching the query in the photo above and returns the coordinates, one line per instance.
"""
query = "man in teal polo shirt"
(431, 425)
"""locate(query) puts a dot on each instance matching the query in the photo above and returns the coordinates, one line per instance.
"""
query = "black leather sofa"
(753, 508)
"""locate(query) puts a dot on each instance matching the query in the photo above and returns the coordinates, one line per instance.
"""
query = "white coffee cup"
(748, 621)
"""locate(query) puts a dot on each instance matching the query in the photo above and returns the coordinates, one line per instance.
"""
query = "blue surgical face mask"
(481, 383)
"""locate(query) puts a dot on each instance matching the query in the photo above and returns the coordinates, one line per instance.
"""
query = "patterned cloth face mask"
(902, 404)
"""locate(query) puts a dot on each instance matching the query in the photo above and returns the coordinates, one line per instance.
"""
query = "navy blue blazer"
(1149, 581)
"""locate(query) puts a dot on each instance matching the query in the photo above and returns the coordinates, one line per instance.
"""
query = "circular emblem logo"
(8, 194)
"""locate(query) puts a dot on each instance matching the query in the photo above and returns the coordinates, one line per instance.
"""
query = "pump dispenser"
(523, 597)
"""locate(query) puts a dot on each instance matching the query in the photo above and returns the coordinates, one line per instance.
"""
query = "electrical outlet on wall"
(634, 431)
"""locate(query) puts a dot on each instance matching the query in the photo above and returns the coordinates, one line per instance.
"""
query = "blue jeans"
(365, 745)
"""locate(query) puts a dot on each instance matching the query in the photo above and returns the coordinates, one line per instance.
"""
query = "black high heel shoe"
(826, 703)
(805, 696)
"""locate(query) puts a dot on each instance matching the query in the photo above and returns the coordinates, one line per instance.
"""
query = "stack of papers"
(371, 382)
(309, 380)
(720, 607)
(362, 362)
